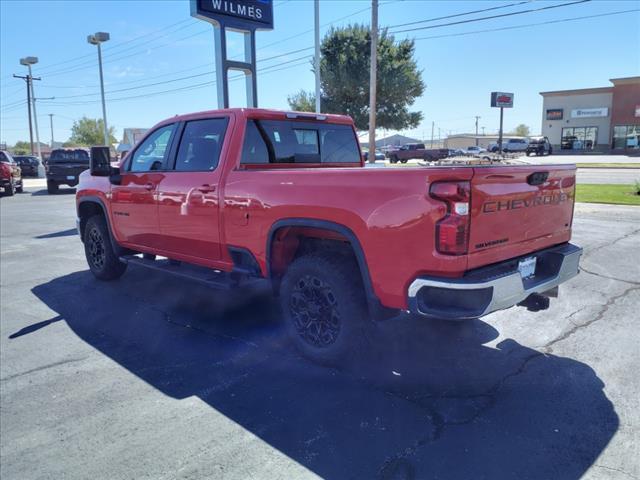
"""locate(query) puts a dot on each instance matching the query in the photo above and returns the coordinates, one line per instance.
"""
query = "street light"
(96, 39)
(28, 61)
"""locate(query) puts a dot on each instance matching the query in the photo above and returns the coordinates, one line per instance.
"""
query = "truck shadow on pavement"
(431, 402)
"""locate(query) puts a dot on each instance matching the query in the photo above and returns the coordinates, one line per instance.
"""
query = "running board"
(212, 278)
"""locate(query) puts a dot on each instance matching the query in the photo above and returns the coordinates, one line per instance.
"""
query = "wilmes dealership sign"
(248, 14)
(590, 112)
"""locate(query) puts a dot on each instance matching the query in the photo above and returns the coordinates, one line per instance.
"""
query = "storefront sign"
(502, 99)
(637, 111)
(590, 112)
(246, 14)
(555, 113)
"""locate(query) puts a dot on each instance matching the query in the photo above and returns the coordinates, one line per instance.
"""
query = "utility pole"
(433, 124)
(373, 81)
(317, 55)
(51, 123)
(97, 39)
(28, 61)
(28, 79)
(482, 130)
(477, 117)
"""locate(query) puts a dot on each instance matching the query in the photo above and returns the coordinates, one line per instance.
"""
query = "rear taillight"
(452, 231)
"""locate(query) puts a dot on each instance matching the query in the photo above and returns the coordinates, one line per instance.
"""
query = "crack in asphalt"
(43, 367)
(547, 347)
(619, 239)
(589, 272)
(619, 470)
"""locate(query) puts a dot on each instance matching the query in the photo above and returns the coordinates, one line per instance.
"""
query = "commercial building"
(465, 140)
(594, 119)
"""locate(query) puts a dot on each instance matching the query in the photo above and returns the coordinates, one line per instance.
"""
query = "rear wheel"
(323, 303)
(103, 261)
(10, 189)
(52, 187)
(20, 188)
(405, 160)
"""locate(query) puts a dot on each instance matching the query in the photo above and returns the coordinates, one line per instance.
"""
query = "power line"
(460, 14)
(513, 27)
(459, 22)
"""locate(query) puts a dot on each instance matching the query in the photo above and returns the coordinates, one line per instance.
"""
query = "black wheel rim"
(314, 309)
(95, 244)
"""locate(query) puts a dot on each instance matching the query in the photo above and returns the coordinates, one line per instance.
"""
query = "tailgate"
(516, 210)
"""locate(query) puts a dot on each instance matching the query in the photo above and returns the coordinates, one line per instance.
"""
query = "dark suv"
(539, 146)
(28, 164)
(64, 166)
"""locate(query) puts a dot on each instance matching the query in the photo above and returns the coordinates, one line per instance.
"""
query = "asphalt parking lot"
(152, 377)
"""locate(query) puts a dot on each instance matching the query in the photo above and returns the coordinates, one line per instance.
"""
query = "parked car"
(64, 167)
(515, 145)
(10, 175)
(28, 164)
(378, 155)
(239, 196)
(539, 146)
(417, 151)
(473, 150)
(509, 145)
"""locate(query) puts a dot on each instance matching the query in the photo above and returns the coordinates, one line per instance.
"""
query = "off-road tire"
(103, 261)
(52, 187)
(324, 307)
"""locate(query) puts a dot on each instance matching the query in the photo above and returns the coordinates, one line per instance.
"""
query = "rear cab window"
(297, 142)
(68, 156)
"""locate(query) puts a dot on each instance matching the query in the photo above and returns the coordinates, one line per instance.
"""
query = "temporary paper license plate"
(71, 177)
(527, 267)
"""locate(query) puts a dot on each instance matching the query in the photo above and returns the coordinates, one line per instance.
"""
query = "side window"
(338, 144)
(152, 153)
(200, 145)
(254, 150)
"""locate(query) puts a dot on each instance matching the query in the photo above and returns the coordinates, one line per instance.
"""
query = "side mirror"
(100, 162)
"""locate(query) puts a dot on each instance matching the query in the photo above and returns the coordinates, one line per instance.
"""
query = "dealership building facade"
(594, 119)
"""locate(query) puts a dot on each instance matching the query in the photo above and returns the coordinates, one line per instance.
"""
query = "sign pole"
(316, 25)
(242, 16)
(500, 134)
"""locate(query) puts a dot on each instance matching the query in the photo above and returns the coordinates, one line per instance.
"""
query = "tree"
(22, 148)
(89, 131)
(344, 78)
(522, 130)
(302, 101)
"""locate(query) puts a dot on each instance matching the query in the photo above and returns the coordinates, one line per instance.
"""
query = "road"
(609, 175)
(152, 377)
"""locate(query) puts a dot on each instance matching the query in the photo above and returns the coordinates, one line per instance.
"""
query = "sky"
(160, 61)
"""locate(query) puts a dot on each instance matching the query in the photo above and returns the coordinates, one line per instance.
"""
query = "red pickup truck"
(237, 196)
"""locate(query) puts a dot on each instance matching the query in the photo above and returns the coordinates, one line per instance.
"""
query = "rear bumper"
(495, 287)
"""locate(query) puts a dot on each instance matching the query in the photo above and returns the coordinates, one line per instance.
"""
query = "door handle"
(149, 186)
(206, 188)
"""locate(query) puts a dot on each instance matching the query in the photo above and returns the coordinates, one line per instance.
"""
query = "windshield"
(69, 156)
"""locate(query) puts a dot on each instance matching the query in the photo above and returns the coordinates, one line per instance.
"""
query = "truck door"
(188, 203)
(134, 204)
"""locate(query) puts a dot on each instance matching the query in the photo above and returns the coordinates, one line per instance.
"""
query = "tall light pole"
(28, 61)
(373, 81)
(96, 39)
(317, 55)
(477, 117)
